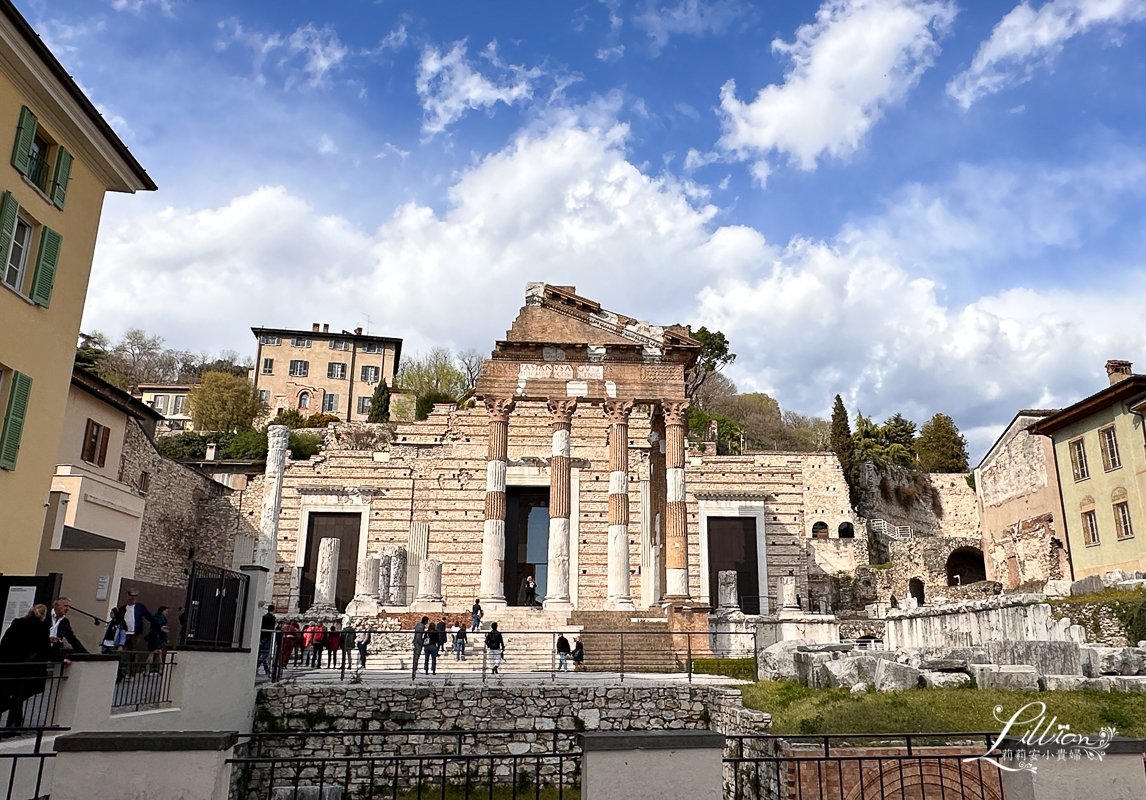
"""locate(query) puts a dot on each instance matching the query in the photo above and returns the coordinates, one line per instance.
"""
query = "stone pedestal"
(676, 510)
(365, 602)
(726, 593)
(618, 591)
(326, 577)
(429, 597)
(560, 504)
(789, 606)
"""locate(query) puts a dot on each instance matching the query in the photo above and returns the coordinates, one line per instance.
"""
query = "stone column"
(326, 576)
(726, 592)
(277, 437)
(384, 576)
(560, 505)
(429, 586)
(365, 602)
(619, 594)
(676, 510)
(493, 540)
(418, 545)
(398, 577)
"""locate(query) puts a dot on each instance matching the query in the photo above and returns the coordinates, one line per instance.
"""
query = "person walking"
(317, 643)
(157, 636)
(346, 640)
(442, 641)
(578, 655)
(362, 642)
(433, 645)
(475, 616)
(24, 650)
(115, 635)
(299, 643)
(333, 645)
(419, 643)
(61, 630)
(134, 615)
(266, 639)
(495, 644)
(562, 653)
(460, 640)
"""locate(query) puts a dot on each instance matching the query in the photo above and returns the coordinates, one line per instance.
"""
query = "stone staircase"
(629, 641)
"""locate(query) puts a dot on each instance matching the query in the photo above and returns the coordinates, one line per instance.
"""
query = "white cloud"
(166, 6)
(1026, 40)
(326, 145)
(321, 48)
(389, 149)
(855, 60)
(610, 54)
(696, 159)
(324, 52)
(691, 17)
(450, 85)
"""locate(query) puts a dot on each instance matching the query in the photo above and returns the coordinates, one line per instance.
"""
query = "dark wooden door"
(345, 528)
(732, 546)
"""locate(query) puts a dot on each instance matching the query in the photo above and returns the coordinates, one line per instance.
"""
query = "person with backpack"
(562, 653)
(317, 641)
(475, 616)
(495, 644)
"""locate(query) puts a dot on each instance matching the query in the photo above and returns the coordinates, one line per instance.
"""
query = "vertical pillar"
(326, 575)
(560, 505)
(398, 596)
(619, 594)
(277, 437)
(676, 511)
(493, 539)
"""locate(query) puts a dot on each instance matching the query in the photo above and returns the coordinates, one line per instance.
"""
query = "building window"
(265, 395)
(371, 347)
(1078, 460)
(268, 366)
(298, 341)
(370, 374)
(159, 403)
(144, 482)
(304, 400)
(363, 405)
(1122, 520)
(273, 341)
(95, 443)
(339, 344)
(1108, 442)
(336, 370)
(178, 403)
(330, 403)
(299, 369)
(18, 255)
(15, 246)
(1089, 528)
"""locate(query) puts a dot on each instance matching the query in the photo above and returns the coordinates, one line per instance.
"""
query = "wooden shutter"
(14, 420)
(88, 451)
(9, 211)
(46, 262)
(104, 436)
(60, 180)
(1103, 445)
(25, 135)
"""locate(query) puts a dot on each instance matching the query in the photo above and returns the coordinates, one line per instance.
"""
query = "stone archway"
(966, 565)
(820, 530)
(847, 530)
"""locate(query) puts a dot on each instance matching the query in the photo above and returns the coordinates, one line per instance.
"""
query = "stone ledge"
(139, 741)
(652, 740)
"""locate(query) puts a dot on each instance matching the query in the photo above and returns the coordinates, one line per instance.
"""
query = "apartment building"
(170, 400)
(1100, 452)
(65, 157)
(319, 371)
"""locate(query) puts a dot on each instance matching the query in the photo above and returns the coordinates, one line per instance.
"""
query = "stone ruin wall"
(957, 504)
(960, 505)
(922, 558)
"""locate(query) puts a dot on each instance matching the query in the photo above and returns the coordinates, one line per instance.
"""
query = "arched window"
(965, 566)
(820, 530)
(847, 530)
(915, 589)
(304, 400)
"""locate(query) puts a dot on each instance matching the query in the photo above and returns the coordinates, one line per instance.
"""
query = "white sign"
(20, 599)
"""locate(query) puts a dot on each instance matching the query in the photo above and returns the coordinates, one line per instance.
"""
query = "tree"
(844, 446)
(91, 351)
(224, 402)
(714, 356)
(427, 401)
(900, 430)
(248, 445)
(718, 393)
(941, 447)
(303, 445)
(434, 373)
(473, 362)
(890, 443)
(380, 403)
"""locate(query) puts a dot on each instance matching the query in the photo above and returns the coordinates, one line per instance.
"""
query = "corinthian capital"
(562, 408)
(674, 411)
(617, 411)
(499, 408)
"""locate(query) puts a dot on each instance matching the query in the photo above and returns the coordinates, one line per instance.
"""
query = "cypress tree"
(380, 404)
(941, 447)
(845, 449)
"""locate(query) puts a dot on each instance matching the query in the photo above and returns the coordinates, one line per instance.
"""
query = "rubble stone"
(1068, 683)
(893, 677)
(1005, 676)
(945, 680)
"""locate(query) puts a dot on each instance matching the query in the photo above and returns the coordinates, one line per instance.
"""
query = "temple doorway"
(526, 542)
(346, 528)
(732, 546)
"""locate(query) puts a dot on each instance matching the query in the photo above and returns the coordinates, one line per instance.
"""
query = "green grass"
(742, 668)
(798, 709)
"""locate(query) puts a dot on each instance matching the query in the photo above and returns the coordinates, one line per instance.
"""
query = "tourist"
(115, 635)
(61, 630)
(300, 643)
(433, 643)
(267, 639)
(362, 641)
(578, 655)
(286, 645)
(495, 644)
(134, 613)
(475, 615)
(460, 640)
(562, 653)
(419, 643)
(530, 591)
(317, 642)
(346, 640)
(333, 645)
(24, 651)
(157, 635)
(441, 633)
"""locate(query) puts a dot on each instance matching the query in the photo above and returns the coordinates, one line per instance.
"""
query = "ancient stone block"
(1057, 589)
(1088, 585)
(1005, 676)
(808, 667)
(1135, 684)
(847, 672)
(1099, 660)
(1048, 658)
(777, 662)
(893, 677)
(945, 680)
(1067, 683)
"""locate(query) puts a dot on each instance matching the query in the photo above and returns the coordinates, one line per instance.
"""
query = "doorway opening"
(915, 589)
(526, 543)
(346, 528)
(732, 546)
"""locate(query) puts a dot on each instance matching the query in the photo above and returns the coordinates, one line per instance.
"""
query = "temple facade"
(572, 469)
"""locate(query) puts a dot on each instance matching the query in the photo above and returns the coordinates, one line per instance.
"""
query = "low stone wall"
(1017, 617)
(1098, 619)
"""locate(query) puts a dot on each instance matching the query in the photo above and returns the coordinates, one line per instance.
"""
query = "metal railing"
(23, 771)
(37, 171)
(28, 694)
(894, 531)
(143, 682)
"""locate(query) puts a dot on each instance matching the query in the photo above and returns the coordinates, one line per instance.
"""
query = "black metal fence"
(143, 682)
(216, 607)
(28, 694)
(22, 766)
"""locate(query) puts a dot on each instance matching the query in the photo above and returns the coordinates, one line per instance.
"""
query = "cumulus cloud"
(855, 60)
(690, 17)
(1026, 40)
(451, 84)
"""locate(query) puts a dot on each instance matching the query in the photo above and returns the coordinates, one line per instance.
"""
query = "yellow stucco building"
(64, 157)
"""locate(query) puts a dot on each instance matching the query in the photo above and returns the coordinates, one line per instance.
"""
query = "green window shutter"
(63, 173)
(14, 420)
(9, 210)
(46, 261)
(25, 135)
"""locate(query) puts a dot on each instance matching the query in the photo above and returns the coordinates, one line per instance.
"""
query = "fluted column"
(619, 593)
(493, 540)
(560, 504)
(676, 511)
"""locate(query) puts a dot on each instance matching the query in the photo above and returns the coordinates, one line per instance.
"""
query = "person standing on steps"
(562, 653)
(530, 591)
(419, 643)
(460, 639)
(475, 615)
(495, 644)
(433, 638)
(578, 655)
(333, 646)
(362, 641)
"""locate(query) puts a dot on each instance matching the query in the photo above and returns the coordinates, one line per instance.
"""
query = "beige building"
(318, 371)
(1099, 448)
(170, 401)
(65, 157)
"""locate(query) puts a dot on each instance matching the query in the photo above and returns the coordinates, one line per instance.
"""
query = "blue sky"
(922, 205)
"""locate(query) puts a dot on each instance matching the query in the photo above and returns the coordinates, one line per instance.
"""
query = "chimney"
(314, 327)
(1118, 371)
(325, 328)
(211, 446)
(357, 331)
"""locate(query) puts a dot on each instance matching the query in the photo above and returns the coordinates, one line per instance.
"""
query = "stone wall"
(187, 517)
(920, 558)
(960, 506)
(1010, 618)
(1098, 619)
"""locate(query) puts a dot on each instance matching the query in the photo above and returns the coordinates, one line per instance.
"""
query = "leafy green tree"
(250, 444)
(380, 403)
(91, 351)
(715, 354)
(941, 447)
(890, 443)
(844, 446)
(319, 420)
(185, 445)
(433, 378)
(727, 430)
(304, 445)
(900, 430)
(426, 403)
(224, 402)
(291, 417)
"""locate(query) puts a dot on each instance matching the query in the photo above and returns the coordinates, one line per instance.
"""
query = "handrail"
(894, 531)
(98, 620)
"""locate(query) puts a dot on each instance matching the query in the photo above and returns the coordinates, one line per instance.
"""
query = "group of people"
(126, 631)
(295, 645)
(29, 644)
